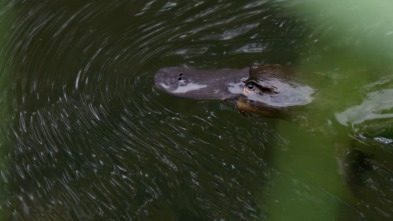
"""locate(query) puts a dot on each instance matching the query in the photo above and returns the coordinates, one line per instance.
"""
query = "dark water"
(86, 136)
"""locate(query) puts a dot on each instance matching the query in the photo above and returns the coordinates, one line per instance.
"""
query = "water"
(86, 136)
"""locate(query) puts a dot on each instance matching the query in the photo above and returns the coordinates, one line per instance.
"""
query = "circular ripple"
(90, 137)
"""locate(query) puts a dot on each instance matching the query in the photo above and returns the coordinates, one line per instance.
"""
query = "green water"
(87, 136)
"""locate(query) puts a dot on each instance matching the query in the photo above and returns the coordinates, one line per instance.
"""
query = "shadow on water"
(90, 138)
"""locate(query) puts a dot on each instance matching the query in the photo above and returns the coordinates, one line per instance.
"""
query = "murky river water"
(86, 136)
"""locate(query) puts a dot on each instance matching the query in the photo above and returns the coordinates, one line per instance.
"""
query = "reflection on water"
(374, 107)
(89, 137)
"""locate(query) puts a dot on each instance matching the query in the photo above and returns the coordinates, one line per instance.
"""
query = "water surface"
(86, 136)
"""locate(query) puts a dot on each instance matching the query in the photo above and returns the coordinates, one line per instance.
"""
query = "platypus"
(267, 90)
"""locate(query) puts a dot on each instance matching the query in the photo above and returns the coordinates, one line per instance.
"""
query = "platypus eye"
(250, 85)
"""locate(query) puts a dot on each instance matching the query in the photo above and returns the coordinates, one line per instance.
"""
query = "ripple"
(89, 136)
